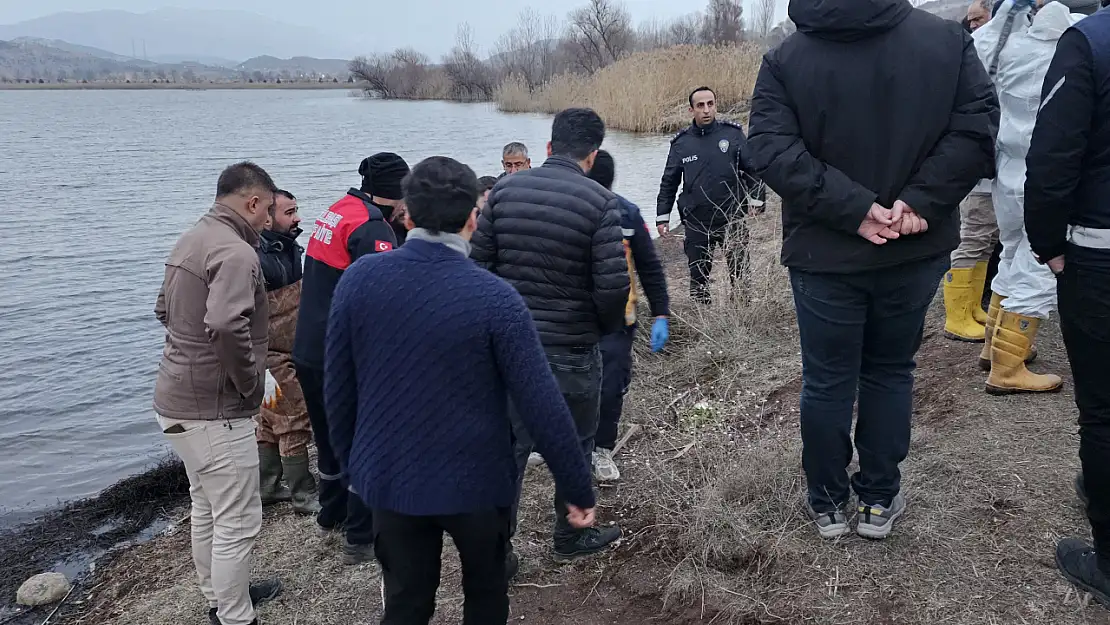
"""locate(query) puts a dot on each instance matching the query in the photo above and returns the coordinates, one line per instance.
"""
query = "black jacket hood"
(847, 20)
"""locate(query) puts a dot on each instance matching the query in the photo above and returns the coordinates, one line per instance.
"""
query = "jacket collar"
(450, 240)
(563, 162)
(271, 241)
(386, 211)
(701, 131)
(227, 216)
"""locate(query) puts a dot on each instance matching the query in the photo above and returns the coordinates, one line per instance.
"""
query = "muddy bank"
(73, 538)
(711, 503)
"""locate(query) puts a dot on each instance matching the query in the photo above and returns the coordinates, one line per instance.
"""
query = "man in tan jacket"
(211, 381)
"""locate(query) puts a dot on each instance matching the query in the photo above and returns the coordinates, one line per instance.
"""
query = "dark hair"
(699, 90)
(485, 183)
(440, 193)
(244, 177)
(576, 133)
(604, 170)
(285, 194)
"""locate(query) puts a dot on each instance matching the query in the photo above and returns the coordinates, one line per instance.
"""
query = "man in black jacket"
(872, 122)
(1067, 219)
(707, 158)
(354, 226)
(555, 235)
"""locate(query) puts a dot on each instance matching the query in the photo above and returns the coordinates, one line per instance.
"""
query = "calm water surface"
(96, 186)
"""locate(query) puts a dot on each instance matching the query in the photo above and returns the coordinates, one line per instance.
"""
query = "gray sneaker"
(876, 521)
(830, 525)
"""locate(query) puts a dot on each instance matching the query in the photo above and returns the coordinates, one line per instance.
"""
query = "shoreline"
(142, 86)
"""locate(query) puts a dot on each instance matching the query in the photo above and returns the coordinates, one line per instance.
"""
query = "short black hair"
(440, 193)
(699, 90)
(244, 177)
(285, 194)
(485, 183)
(576, 133)
(604, 170)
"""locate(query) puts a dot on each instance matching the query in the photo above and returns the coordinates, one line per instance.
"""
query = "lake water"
(95, 188)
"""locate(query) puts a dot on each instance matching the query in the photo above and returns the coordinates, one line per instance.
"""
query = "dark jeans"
(859, 332)
(338, 506)
(616, 366)
(701, 241)
(409, 549)
(992, 271)
(578, 372)
(1084, 304)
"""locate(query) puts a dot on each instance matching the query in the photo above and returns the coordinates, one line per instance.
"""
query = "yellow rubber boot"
(993, 311)
(1013, 337)
(959, 324)
(978, 285)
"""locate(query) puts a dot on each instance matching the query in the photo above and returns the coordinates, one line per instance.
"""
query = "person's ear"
(472, 221)
(589, 162)
(528, 163)
(549, 148)
(407, 221)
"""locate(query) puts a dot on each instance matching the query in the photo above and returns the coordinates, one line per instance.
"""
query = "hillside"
(297, 66)
(27, 60)
(179, 34)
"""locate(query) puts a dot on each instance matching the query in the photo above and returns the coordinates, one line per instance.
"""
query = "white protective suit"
(1028, 286)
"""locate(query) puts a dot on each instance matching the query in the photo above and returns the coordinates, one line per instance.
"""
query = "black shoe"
(512, 566)
(1081, 490)
(260, 592)
(585, 543)
(1079, 564)
(357, 554)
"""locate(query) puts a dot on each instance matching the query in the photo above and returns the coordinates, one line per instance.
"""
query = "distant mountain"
(296, 66)
(26, 59)
(214, 61)
(179, 34)
(74, 48)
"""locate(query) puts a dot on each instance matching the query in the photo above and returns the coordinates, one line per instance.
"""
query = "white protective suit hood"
(1021, 62)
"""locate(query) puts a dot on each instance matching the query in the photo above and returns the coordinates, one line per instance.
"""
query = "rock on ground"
(43, 589)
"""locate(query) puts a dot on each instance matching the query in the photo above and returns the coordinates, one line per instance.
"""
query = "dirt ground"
(711, 504)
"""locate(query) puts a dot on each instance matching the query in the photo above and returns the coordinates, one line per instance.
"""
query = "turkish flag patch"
(383, 246)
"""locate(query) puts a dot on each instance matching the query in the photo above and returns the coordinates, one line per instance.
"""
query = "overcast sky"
(428, 25)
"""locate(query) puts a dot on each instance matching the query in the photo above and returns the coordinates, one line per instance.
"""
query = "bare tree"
(764, 18)
(724, 22)
(602, 33)
(471, 79)
(404, 74)
(686, 30)
(529, 49)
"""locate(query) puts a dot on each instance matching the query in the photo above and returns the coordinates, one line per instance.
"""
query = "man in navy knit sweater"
(424, 351)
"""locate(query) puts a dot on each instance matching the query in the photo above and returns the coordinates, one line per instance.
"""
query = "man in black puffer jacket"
(872, 122)
(555, 235)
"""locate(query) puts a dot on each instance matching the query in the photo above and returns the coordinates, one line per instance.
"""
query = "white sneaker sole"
(879, 532)
(832, 532)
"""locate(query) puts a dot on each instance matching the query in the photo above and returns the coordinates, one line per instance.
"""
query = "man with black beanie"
(359, 224)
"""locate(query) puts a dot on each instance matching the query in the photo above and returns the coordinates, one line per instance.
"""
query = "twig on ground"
(683, 452)
(60, 604)
(539, 586)
(674, 401)
(592, 590)
(635, 430)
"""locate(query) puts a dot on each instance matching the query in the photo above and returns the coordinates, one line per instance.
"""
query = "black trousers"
(338, 506)
(578, 372)
(1084, 302)
(409, 549)
(616, 363)
(702, 239)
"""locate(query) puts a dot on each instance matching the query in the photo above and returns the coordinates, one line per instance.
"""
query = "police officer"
(707, 158)
(1068, 222)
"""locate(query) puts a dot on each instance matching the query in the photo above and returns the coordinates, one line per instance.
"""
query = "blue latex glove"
(660, 332)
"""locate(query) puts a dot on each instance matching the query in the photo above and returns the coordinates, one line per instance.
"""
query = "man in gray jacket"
(211, 381)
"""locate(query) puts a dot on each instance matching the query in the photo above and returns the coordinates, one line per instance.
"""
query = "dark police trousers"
(1083, 294)
(409, 550)
(578, 372)
(702, 239)
(859, 332)
(338, 506)
(616, 364)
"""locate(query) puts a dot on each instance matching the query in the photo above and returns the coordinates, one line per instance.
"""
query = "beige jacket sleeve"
(230, 305)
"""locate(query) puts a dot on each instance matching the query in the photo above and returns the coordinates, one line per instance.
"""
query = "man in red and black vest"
(357, 225)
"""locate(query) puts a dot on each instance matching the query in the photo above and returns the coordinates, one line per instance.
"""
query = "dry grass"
(711, 502)
(645, 92)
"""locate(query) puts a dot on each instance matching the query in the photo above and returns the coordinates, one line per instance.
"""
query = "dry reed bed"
(645, 92)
